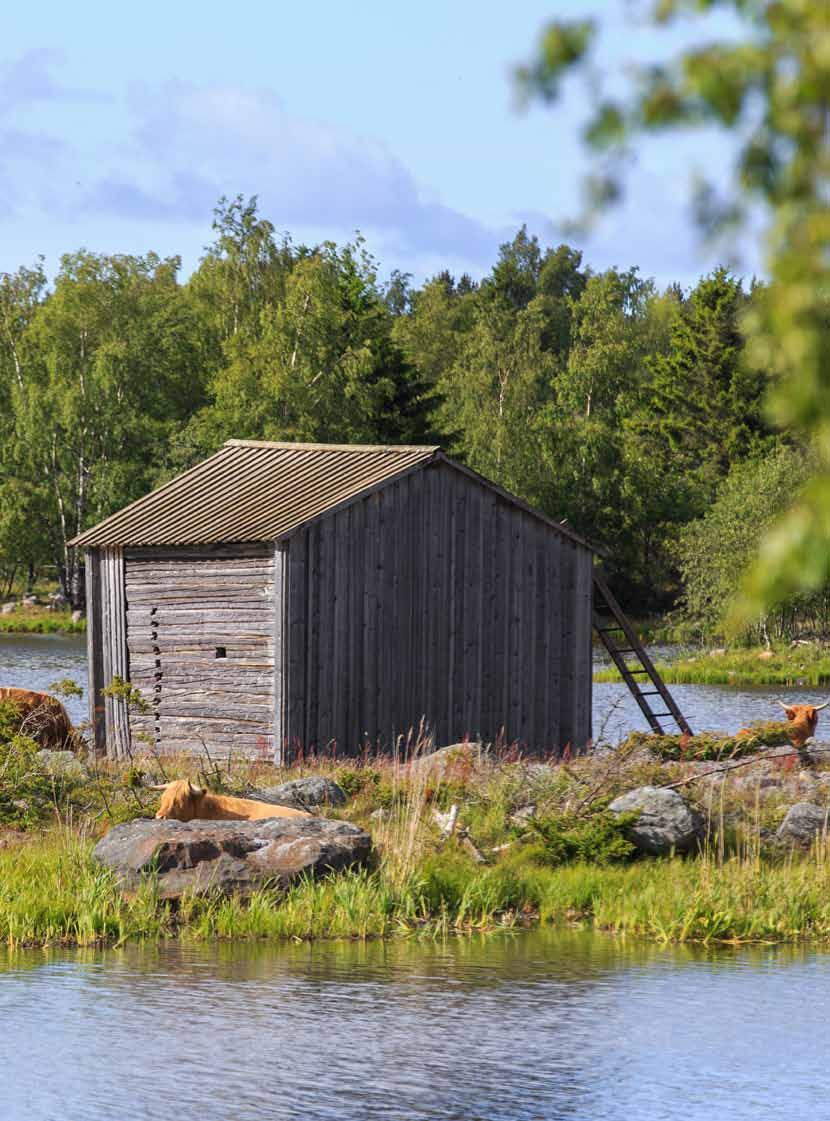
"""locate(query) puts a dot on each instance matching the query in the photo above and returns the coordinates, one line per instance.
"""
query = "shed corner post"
(281, 633)
(95, 651)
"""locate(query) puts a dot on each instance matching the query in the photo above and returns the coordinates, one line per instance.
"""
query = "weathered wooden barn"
(285, 597)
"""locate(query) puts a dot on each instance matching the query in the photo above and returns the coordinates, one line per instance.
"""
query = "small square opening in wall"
(221, 652)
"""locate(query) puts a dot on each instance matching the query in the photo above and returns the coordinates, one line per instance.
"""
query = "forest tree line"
(634, 413)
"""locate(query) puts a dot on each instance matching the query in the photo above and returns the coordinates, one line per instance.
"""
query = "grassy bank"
(51, 892)
(802, 666)
(37, 620)
(535, 844)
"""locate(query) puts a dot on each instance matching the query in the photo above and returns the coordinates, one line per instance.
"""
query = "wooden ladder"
(646, 673)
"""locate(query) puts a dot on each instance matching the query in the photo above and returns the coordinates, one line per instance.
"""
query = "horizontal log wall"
(434, 598)
(182, 605)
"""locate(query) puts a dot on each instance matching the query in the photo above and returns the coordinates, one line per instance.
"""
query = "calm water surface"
(542, 1025)
(35, 661)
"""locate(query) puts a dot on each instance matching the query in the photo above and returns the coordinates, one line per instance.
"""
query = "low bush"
(599, 838)
(710, 745)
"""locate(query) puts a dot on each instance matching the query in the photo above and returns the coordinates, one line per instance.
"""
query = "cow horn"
(818, 708)
(156, 786)
(196, 791)
(785, 707)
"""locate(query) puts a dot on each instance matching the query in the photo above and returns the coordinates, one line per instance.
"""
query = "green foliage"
(28, 795)
(710, 745)
(716, 550)
(592, 395)
(125, 691)
(599, 838)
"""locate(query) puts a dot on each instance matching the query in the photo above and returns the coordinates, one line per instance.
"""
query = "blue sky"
(121, 125)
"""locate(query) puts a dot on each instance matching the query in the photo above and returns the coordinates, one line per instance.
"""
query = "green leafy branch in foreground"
(767, 84)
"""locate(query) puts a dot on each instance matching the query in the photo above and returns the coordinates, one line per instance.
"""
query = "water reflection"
(546, 1025)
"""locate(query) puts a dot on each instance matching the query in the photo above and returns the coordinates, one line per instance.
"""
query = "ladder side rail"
(629, 680)
(633, 639)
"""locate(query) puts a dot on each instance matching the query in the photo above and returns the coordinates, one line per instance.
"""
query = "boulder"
(454, 761)
(8, 608)
(77, 616)
(803, 823)
(523, 815)
(303, 792)
(229, 856)
(666, 823)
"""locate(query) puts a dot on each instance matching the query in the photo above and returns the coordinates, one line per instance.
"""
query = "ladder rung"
(608, 630)
(656, 714)
(649, 693)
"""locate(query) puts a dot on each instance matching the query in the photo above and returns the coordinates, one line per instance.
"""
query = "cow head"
(180, 800)
(802, 721)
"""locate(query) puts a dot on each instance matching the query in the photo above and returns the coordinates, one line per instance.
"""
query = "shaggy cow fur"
(42, 717)
(802, 721)
(183, 801)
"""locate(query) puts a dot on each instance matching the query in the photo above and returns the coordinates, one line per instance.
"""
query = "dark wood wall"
(436, 598)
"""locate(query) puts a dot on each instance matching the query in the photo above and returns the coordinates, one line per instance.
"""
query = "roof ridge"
(299, 444)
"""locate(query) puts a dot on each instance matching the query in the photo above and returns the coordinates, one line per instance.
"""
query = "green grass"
(51, 892)
(804, 666)
(37, 620)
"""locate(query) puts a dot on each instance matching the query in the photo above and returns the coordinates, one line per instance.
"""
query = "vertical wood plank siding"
(202, 631)
(435, 598)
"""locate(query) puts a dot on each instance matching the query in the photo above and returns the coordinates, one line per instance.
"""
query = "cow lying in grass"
(183, 801)
(802, 720)
(41, 717)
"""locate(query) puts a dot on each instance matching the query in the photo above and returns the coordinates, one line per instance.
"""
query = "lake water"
(35, 661)
(543, 1025)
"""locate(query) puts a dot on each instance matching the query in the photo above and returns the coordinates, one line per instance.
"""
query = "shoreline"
(36, 620)
(693, 901)
(546, 851)
(800, 666)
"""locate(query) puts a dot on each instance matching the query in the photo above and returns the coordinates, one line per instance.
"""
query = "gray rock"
(666, 822)
(8, 608)
(302, 793)
(229, 856)
(803, 822)
(447, 761)
(77, 616)
(523, 815)
(379, 814)
(61, 764)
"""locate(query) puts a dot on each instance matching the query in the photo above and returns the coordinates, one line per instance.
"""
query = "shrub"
(598, 839)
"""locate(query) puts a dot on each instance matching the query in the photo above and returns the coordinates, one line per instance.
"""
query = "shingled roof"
(253, 490)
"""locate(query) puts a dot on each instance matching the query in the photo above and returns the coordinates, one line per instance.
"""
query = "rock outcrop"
(803, 823)
(229, 856)
(302, 793)
(666, 823)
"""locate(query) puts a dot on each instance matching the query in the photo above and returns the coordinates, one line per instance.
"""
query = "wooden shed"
(285, 597)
